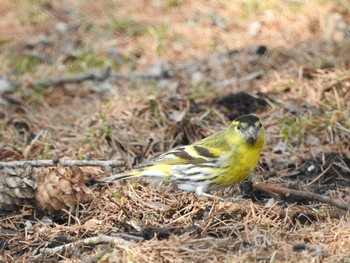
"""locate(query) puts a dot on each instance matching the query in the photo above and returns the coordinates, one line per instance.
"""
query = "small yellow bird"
(220, 160)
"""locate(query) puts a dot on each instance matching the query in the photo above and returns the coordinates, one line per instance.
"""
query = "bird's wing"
(207, 150)
(184, 156)
(191, 154)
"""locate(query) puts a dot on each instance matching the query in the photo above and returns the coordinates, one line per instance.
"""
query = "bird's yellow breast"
(240, 162)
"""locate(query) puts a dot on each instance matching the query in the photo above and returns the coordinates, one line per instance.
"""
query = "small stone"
(218, 20)
(177, 116)
(311, 168)
(160, 69)
(335, 27)
(115, 55)
(312, 140)
(254, 28)
(62, 28)
(258, 50)
(197, 77)
(5, 85)
(280, 147)
(168, 84)
(43, 39)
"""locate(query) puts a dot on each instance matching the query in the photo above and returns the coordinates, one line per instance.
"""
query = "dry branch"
(234, 80)
(64, 162)
(106, 73)
(301, 194)
(101, 239)
(136, 75)
(319, 249)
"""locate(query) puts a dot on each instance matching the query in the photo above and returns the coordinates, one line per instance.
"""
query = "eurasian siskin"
(220, 160)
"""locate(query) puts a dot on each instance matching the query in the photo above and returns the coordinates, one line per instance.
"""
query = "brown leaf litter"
(297, 79)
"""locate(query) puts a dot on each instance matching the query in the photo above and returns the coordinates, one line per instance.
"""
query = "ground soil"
(188, 68)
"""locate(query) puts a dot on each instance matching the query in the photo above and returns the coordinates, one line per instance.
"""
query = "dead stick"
(105, 74)
(88, 241)
(136, 75)
(298, 193)
(64, 162)
(231, 81)
(149, 145)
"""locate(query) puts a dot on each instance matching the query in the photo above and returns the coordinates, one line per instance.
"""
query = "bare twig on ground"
(342, 166)
(234, 80)
(319, 249)
(64, 162)
(301, 194)
(143, 155)
(127, 236)
(105, 74)
(101, 239)
(135, 75)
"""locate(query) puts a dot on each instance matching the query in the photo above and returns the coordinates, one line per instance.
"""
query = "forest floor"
(159, 74)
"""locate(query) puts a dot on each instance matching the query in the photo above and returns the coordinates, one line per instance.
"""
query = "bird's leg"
(213, 197)
(200, 191)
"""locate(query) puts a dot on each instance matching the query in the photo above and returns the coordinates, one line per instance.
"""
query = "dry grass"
(304, 92)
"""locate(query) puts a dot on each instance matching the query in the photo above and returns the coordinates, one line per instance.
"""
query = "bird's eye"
(238, 127)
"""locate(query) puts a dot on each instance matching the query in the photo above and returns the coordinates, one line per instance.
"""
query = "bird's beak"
(251, 134)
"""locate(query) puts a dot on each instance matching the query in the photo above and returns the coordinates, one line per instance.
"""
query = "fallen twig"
(319, 249)
(342, 166)
(127, 236)
(136, 75)
(301, 194)
(64, 162)
(106, 73)
(234, 80)
(101, 239)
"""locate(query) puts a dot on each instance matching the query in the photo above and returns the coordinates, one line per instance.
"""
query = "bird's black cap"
(248, 118)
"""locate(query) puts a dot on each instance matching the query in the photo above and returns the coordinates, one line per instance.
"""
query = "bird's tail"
(160, 172)
(125, 175)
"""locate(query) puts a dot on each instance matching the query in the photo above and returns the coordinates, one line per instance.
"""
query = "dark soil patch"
(329, 171)
(235, 104)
